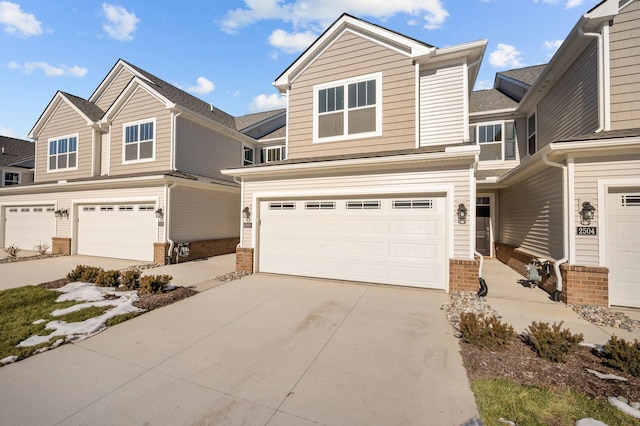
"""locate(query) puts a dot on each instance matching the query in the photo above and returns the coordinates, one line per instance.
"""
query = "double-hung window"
(247, 156)
(532, 145)
(272, 153)
(11, 178)
(348, 109)
(497, 140)
(139, 141)
(63, 153)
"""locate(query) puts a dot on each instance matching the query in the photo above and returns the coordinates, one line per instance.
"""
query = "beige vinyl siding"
(587, 173)
(115, 88)
(571, 107)
(200, 214)
(351, 56)
(442, 105)
(625, 68)
(457, 177)
(141, 106)
(63, 122)
(203, 151)
(531, 214)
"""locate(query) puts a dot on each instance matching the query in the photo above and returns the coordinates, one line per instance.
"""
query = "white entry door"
(380, 240)
(124, 231)
(28, 226)
(623, 248)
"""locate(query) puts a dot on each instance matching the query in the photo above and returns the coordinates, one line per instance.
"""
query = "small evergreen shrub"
(152, 284)
(90, 274)
(108, 278)
(551, 343)
(12, 251)
(130, 279)
(488, 333)
(76, 274)
(623, 356)
(41, 247)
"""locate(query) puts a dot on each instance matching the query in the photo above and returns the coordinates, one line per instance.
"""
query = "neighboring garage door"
(623, 248)
(125, 231)
(28, 226)
(380, 240)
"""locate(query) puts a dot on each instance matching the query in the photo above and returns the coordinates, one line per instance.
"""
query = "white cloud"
(17, 22)
(505, 56)
(291, 42)
(267, 102)
(573, 3)
(49, 70)
(483, 85)
(202, 87)
(320, 13)
(5, 131)
(551, 46)
(120, 22)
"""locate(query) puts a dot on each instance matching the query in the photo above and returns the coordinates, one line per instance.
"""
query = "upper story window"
(497, 140)
(532, 145)
(11, 178)
(348, 109)
(272, 153)
(139, 141)
(247, 156)
(63, 153)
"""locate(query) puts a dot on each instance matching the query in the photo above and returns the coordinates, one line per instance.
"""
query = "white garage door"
(623, 247)
(381, 240)
(28, 226)
(125, 231)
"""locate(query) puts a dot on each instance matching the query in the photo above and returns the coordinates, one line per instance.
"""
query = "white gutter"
(601, 112)
(167, 217)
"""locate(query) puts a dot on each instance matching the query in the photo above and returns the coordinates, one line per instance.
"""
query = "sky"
(229, 52)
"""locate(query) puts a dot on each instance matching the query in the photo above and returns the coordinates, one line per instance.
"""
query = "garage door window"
(631, 201)
(282, 205)
(63, 153)
(363, 205)
(412, 204)
(320, 205)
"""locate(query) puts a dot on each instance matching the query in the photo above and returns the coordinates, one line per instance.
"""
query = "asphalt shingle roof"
(490, 100)
(244, 121)
(13, 150)
(611, 134)
(278, 133)
(527, 75)
(90, 109)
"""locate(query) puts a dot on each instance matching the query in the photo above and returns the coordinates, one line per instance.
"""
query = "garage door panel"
(29, 225)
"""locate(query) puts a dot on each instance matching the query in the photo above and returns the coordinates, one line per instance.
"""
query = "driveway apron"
(263, 350)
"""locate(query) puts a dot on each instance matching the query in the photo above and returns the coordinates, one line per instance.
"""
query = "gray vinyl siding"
(352, 56)
(442, 110)
(457, 177)
(141, 106)
(115, 88)
(200, 214)
(625, 68)
(203, 151)
(531, 214)
(571, 106)
(587, 173)
(64, 121)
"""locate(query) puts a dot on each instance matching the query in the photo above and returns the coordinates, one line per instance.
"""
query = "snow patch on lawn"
(93, 296)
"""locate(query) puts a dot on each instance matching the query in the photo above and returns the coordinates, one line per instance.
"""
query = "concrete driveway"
(263, 350)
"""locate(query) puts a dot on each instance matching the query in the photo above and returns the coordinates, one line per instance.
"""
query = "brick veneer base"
(205, 248)
(244, 259)
(464, 275)
(586, 285)
(61, 245)
(160, 253)
(517, 259)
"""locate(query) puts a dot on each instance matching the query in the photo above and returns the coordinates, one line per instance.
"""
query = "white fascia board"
(58, 98)
(111, 76)
(470, 51)
(494, 112)
(464, 154)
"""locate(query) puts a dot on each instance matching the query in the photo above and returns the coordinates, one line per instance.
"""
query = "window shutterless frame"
(62, 154)
(139, 141)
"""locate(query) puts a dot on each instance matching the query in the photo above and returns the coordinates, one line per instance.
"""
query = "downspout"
(241, 183)
(601, 112)
(167, 218)
(565, 226)
(174, 125)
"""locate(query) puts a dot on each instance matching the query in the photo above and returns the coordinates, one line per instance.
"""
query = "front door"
(483, 230)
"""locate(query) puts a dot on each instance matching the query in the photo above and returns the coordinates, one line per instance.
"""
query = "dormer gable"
(87, 110)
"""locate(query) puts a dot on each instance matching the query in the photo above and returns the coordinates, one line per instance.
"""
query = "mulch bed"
(521, 364)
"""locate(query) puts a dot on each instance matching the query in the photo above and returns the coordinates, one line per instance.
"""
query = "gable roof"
(527, 75)
(90, 109)
(14, 150)
(245, 121)
(490, 100)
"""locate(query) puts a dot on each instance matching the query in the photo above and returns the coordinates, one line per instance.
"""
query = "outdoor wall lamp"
(246, 213)
(587, 213)
(60, 213)
(462, 214)
(159, 214)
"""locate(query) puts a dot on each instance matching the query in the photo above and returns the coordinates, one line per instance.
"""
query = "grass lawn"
(530, 405)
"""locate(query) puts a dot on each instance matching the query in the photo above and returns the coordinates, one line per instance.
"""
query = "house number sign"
(586, 230)
(247, 224)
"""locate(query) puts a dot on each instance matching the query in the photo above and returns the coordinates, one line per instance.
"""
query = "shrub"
(623, 356)
(108, 278)
(76, 274)
(130, 279)
(154, 283)
(90, 274)
(489, 333)
(41, 247)
(12, 251)
(551, 343)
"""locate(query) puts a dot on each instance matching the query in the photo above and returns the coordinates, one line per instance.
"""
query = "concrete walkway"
(262, 350)
(520, 306)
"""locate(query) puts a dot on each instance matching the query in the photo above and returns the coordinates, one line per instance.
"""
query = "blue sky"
(229, 52)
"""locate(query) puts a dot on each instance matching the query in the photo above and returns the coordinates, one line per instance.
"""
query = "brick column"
(244, 259)
(586, 285)
(60, 245)
(160, 253)
(464, 275)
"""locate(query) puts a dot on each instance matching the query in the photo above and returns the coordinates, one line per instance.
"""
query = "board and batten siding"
(442, 98)
(571, 107)
(201, 214)
(531, 214)
(624, 47)
(349, 56)
(141, 106)
(203, 151)
(436, 177)
(587, 173)
(115, 89)
(65, 121)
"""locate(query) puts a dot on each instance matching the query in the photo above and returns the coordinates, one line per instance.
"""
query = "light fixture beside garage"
(159, 213)
(61, 213)
(587, 213)
(246, 213)
(462, 214)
